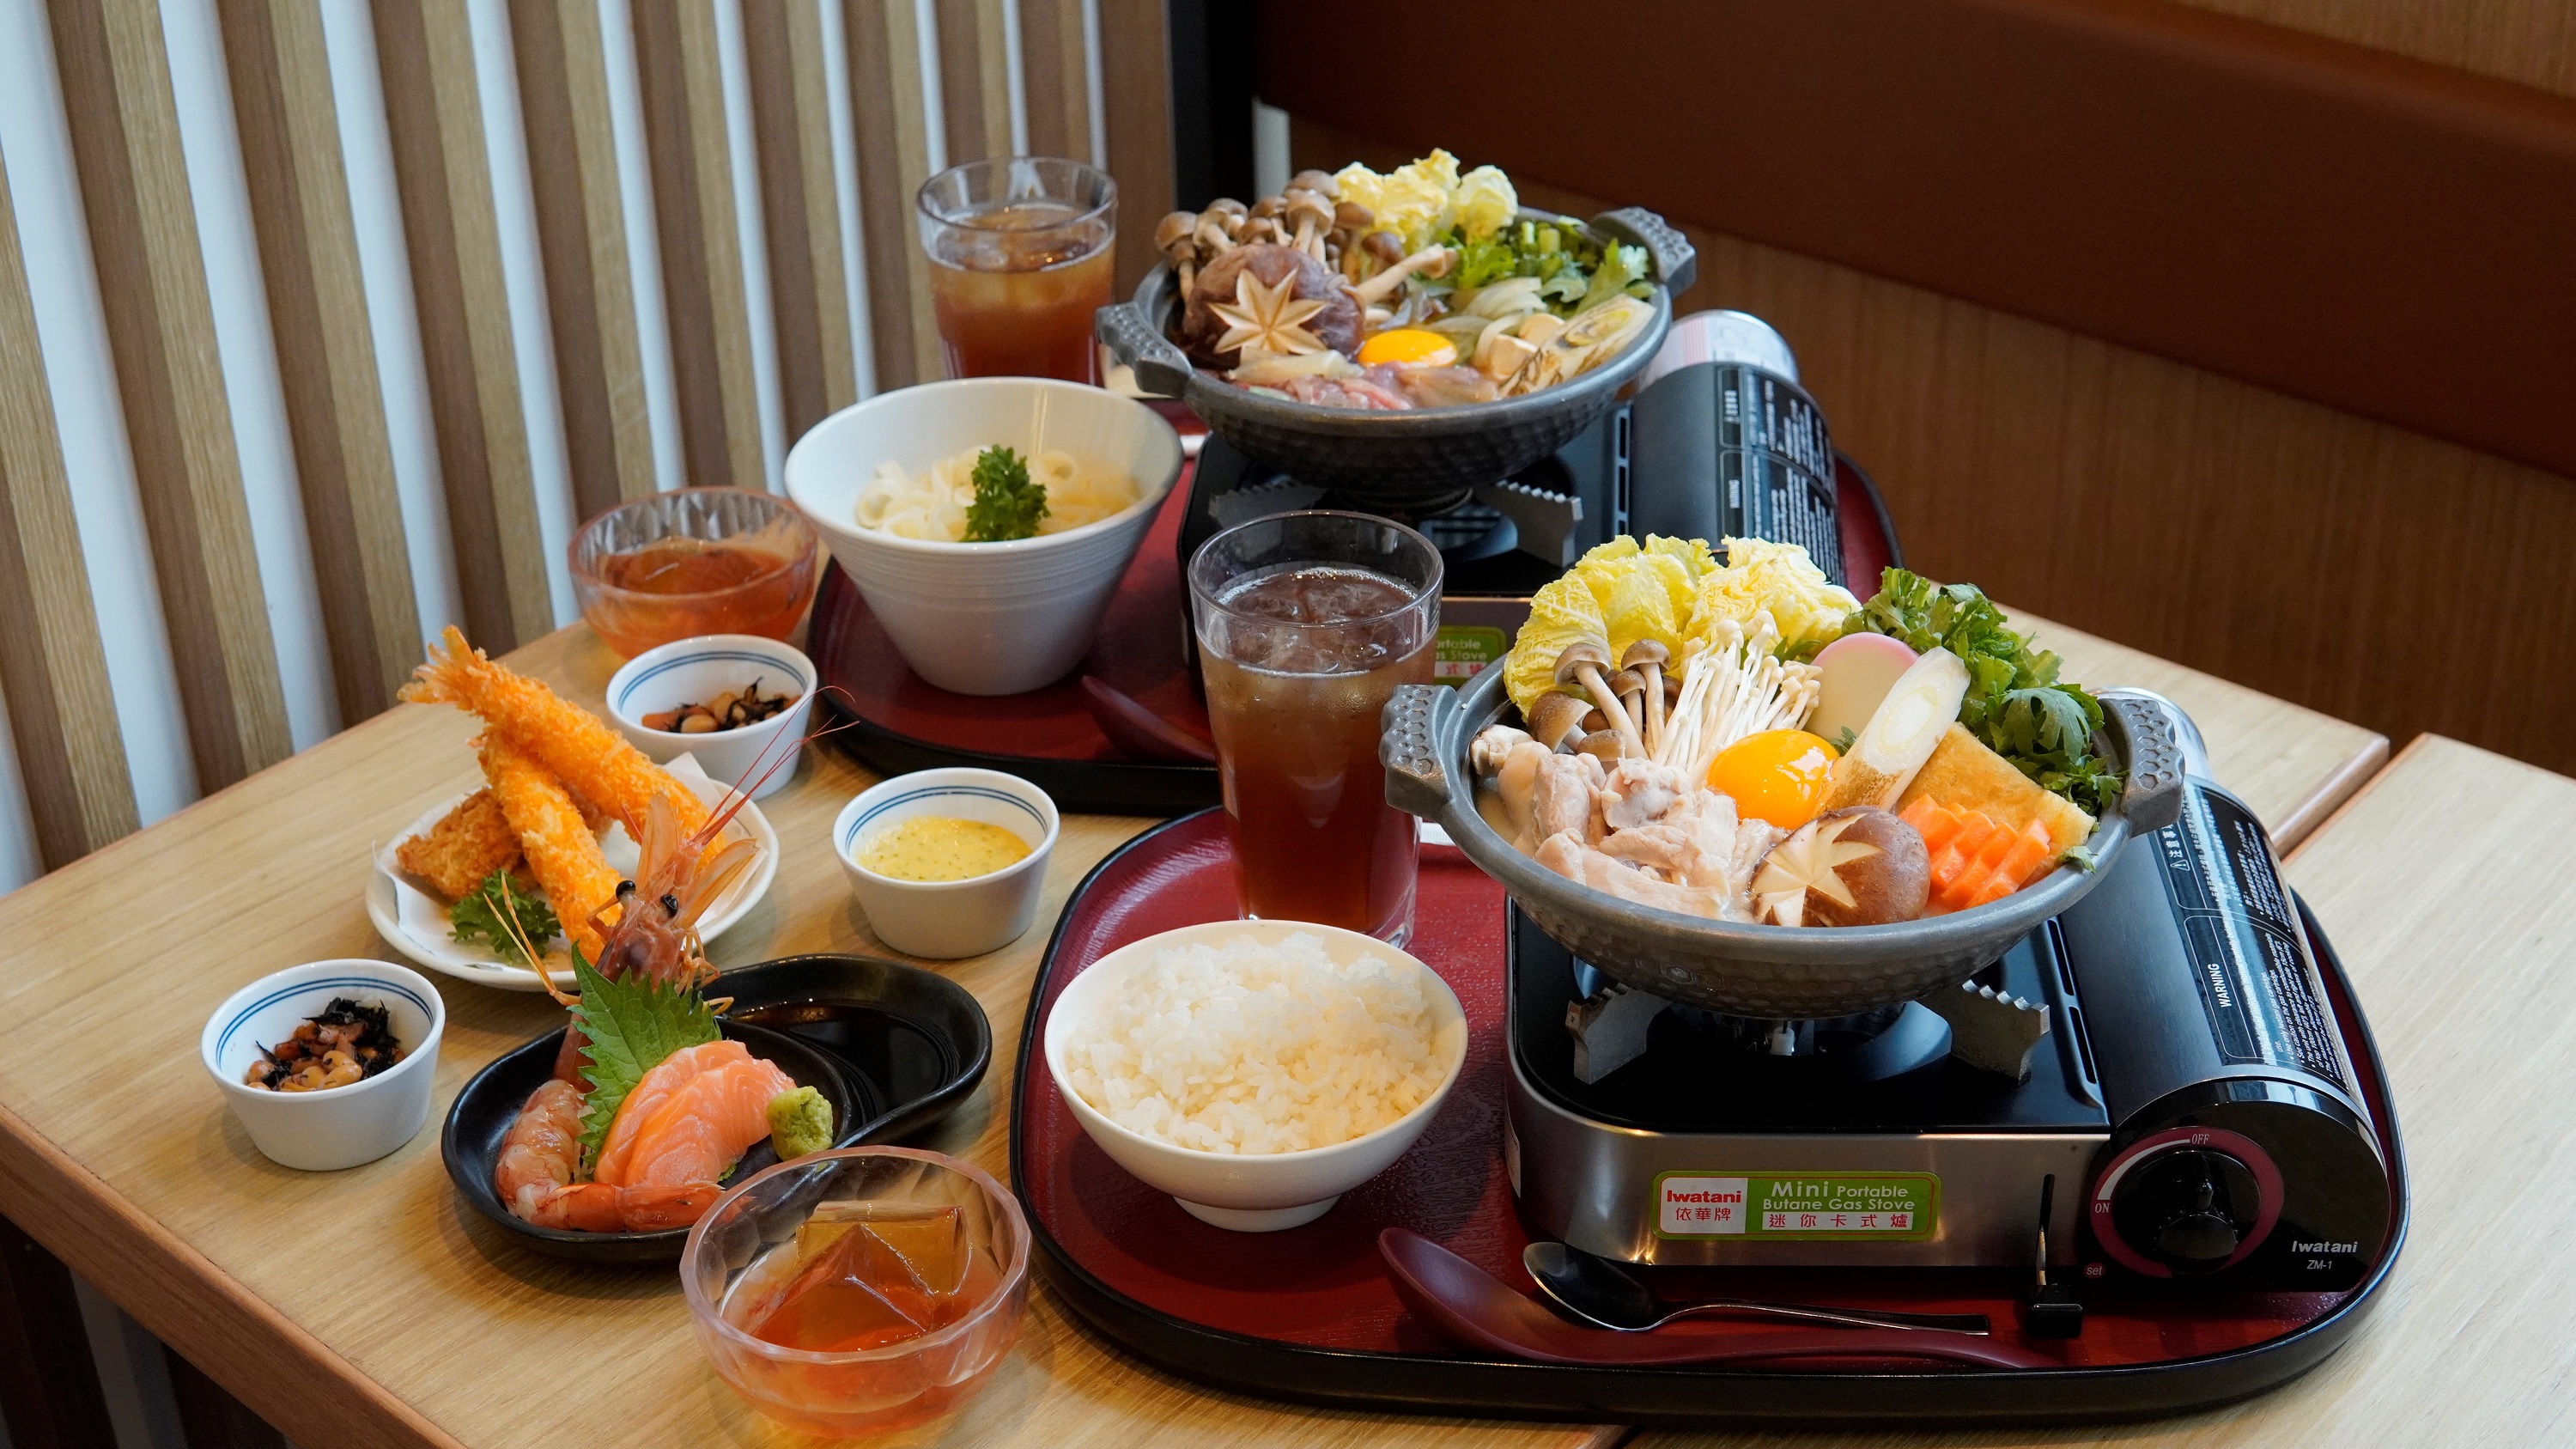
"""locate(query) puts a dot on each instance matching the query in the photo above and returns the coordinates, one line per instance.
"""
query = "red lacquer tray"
(894, 722)
(1310, 1314)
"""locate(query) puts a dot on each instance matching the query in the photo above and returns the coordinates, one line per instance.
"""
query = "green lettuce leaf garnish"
(631, 1026)
(486, 915)
(2016, 704)
(1008, 504)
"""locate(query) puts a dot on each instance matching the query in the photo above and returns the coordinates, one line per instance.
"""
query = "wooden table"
(369, 1308)
(2448, 886)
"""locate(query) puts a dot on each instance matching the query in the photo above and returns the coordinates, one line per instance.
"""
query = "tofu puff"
(462, 850)
(1964, 775)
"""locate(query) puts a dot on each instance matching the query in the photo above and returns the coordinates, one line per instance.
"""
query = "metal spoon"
(1599, 1291)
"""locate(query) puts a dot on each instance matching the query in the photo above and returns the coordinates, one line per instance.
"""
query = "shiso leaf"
(630, 1027)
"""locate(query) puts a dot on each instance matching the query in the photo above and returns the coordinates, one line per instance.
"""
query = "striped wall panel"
(334, 317)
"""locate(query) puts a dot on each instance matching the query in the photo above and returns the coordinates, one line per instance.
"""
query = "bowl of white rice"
(1255, 1070)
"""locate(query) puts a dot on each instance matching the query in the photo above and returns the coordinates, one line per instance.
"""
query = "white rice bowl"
(1247, 1047)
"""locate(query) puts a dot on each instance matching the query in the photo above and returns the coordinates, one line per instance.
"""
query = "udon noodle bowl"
(932, 505)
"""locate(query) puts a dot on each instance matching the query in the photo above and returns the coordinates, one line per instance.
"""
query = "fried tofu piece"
(461, 851)
(1964, 775)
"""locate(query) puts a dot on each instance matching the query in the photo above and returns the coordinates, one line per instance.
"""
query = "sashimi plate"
(415, 923)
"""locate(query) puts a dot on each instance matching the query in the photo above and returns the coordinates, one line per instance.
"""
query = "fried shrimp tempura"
(561, 851)
(591, 760)
(462, 850)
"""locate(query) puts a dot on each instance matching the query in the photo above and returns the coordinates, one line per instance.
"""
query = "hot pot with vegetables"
(1726, 781)
(1399, 338)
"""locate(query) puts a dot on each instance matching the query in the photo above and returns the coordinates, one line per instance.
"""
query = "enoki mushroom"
(1731, 688)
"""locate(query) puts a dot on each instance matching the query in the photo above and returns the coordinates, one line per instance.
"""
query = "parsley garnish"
(630, 1027)
(485, 916)
(2016, 704)
(1007, 505)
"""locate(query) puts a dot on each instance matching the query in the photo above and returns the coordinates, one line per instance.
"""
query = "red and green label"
(1847, 1206)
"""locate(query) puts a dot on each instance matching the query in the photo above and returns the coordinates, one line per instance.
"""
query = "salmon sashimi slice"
(706, 1126)
(646, 1097)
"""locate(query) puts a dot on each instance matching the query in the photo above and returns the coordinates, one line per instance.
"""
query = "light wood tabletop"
(2448, 886)
(369, 1308)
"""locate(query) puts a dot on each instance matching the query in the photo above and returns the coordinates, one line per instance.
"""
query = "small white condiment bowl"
(693, 671)
(946, 919)
(1252, 1192)
(343, 1126)
(985, 618)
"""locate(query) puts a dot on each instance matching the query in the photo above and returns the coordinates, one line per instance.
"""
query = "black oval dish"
(490, 1102)
(913, 1042)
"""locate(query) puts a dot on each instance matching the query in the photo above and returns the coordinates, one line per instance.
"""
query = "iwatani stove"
(2154, 1081)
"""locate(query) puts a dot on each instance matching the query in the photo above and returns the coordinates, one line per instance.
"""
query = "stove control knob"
(2190, 1208)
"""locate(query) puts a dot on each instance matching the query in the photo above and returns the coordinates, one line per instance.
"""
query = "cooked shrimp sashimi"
(648, 1095)
(562, 853)
(702, 1129)
(591, 759)
(541, 1154)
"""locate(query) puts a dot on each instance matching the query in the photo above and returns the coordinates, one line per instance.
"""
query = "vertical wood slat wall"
(647, 325)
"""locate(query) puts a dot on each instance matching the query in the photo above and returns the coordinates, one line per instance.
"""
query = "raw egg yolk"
(1409, 347)
(1777, 775)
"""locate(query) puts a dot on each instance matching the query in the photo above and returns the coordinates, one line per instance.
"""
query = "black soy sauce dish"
(913, 1042)
(484, 1110)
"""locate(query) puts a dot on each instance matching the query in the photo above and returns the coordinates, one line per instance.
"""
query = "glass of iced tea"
(1306, 624)
(1020, 257)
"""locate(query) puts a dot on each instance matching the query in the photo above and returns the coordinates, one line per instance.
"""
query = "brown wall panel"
(1136, 94)
(2531, 42)
(702, 284)
(974, 79)
(441, 165)
(1055, 78)
(308, 249)
(2394, 580)
(2383, 235)
(894, 159)
(581, 231)
(161, 332)
(800, 201)
(53, 669)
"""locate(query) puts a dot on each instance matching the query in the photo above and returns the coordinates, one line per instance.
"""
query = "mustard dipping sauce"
(938, 848)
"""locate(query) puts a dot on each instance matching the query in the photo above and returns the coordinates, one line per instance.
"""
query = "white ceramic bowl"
(947, 919)
(985, 618)
(693, 671)
(344, 1126)
(1254, 1192)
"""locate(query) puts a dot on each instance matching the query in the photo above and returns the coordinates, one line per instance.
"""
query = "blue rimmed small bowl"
(696, 670)
(342, 1126)
(943, 920)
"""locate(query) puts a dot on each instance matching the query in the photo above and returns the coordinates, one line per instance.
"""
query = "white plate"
(413, 922)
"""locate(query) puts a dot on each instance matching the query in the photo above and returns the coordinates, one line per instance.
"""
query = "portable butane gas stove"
(2153, 1079)
(1710, 450)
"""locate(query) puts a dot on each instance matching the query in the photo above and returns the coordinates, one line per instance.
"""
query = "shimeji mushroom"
(1351, 221)
(1584, 660)
(1607, 746)
(1311, 213)
(1431, 261)
(1630, 686)
(1319, 182)
(1648, 658)
(1175, 236)
(1555, 719)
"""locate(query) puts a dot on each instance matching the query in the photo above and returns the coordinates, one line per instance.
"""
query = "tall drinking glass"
(1021, 255)
(1306, 624)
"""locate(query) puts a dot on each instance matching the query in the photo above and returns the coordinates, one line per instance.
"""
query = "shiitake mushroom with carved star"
(1856, 867)
(1271, 298)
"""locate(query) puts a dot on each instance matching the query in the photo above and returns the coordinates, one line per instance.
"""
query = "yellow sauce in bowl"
(938, 848)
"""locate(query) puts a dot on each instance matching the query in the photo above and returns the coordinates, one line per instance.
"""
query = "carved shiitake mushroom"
(1856, 867)
(1335, 324)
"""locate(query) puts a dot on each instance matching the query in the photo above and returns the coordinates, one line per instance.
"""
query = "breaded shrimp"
(561, 851)
(592, 760)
